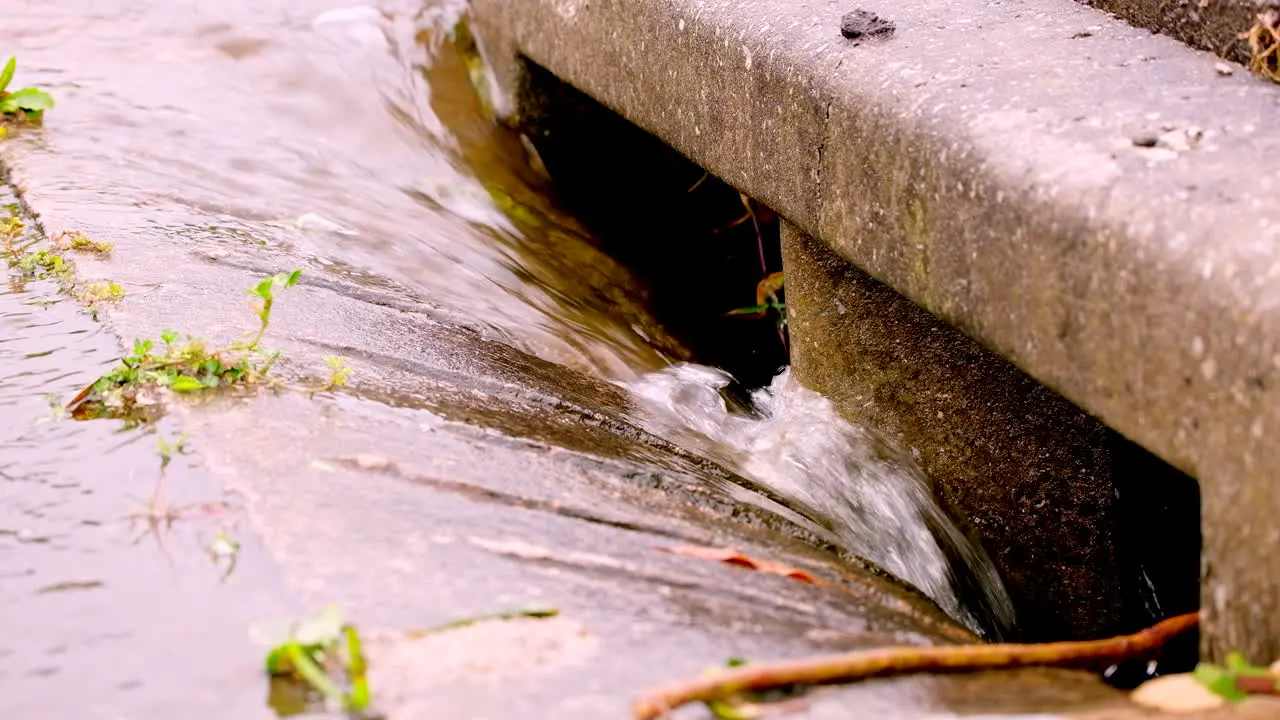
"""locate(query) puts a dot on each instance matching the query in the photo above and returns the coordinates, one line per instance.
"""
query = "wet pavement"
(101, 593)
(483, 458)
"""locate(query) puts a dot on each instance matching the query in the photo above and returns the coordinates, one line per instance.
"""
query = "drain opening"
(704, 254)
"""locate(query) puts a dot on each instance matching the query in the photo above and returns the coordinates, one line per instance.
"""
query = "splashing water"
(790, 440)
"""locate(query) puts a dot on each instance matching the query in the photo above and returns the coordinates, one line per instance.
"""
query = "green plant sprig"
(184, 364)
(23, 104)
(1237, 679)
(326, 654)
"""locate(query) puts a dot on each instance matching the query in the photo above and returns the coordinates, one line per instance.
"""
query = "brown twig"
(1264, 45)
(1258, 684)
(863, 664)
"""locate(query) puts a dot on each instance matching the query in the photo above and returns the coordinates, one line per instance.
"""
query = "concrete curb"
(988, 161)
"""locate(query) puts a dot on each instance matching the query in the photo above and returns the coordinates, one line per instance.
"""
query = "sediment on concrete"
(1077, 195)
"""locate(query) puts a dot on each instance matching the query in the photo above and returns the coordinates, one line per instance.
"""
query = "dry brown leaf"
(1176, 694)
(732, 557)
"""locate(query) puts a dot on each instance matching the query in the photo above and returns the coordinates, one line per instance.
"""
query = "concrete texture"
(1026, 469)
(982, 161)
(1212, 25)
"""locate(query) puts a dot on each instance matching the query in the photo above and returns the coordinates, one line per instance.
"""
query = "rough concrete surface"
(983, 162)
(1025, 468)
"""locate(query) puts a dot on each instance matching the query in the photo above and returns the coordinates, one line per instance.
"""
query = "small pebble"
(1146, 140)
(864, 23)
(1224, 69)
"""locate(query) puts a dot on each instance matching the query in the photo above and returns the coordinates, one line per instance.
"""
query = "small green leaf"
(755, 311)
(263, 288)
(169, 336)
(293, 278)
(725, 711)
(357, 669)
(6, 75)
(141, 349)
(278, 662)
(1220, 682)
(186, 383)
(29, 99)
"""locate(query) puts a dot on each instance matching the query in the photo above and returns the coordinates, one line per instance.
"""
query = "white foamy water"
(791, 441)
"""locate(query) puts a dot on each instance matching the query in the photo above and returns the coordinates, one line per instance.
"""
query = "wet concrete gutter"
(1076, 194)
(460, 476)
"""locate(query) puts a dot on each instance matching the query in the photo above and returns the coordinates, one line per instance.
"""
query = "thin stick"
(900, 660)
(464, 622)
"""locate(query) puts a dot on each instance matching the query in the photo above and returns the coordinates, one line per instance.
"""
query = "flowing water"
(789, 439)
(351, 135)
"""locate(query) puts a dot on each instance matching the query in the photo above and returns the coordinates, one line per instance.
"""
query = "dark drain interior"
(686, 232)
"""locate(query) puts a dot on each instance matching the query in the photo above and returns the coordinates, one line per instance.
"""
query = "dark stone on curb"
(864, 23)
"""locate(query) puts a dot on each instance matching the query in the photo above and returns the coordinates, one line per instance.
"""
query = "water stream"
(790, 440)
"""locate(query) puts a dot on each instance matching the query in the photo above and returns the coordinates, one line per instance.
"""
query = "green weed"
(223, 550)
(182, 364)
(76, 240)
(32, 264)
(1237, 679)
(768, 302)
(323, 653)
(42, 263)
(265, 290)
(338, 372)
(166, 450)
(156, 513)
(24, 104)
(767, 299)
(11, 231)
(95, 291)
(52, 264)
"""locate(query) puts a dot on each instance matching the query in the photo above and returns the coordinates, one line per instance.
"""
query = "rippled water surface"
(359, 121)
(353, 136)
(96, 588)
